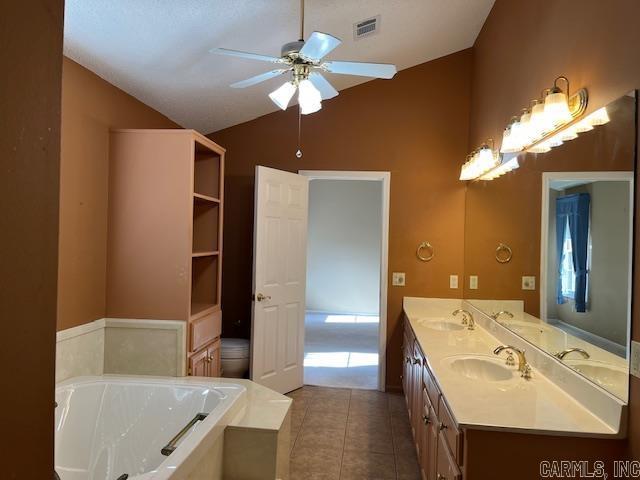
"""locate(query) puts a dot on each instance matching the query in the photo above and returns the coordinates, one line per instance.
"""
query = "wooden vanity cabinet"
(166, 197)
(447, 452)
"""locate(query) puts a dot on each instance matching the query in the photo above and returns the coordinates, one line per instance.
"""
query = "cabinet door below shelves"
(199, 364)
(213, 354)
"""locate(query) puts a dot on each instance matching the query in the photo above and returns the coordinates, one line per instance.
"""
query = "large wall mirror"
(549, 248)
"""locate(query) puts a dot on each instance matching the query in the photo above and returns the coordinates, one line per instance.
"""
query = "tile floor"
(341, 350)
(349, 434)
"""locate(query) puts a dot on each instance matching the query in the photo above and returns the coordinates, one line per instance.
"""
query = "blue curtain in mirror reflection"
(572, 224)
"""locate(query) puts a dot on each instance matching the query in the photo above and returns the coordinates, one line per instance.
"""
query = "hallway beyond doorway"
(341, 350)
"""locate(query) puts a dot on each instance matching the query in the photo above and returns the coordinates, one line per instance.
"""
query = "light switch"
(528, 283)
(453, 281)
(397, 279)
(473, 282)
(635, 359)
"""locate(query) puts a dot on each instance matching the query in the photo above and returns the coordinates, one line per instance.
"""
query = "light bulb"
(506, 141)
(518, 139)
(556, 108)
(283, 94)
(539, 122)
(568, 134)
(525, 128)
(542, 147)
(583, 125)
(554, 141)
(309, 97)
(599, 117)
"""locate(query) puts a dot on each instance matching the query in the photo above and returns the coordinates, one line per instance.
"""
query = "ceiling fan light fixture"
(309, 97)
(283, 95)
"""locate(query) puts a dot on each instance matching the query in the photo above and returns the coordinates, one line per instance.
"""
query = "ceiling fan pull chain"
(299, 152)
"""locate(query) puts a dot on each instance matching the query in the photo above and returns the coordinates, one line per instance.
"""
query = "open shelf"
(204, 284)
(198, 197)
(204, 254)
(201, 309)
(205, 226)
(206, 172)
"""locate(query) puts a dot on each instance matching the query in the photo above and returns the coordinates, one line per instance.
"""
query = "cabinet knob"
(441, 477)
(426, 420)
(442, 426)
(408, 360)
(416, 361)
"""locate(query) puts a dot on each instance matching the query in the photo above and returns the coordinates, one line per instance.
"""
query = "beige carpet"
(341, 350)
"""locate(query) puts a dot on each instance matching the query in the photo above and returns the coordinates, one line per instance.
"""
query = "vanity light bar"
(552, 112)
(480, 161)
(539, 128)
(505, 167)
(594, 119)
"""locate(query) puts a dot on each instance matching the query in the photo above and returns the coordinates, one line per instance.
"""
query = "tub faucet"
(523, 367)
(502, 312)
(467, 318)
(564, 353)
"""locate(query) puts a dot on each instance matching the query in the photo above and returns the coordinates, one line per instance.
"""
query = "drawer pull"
(426, 420)
(442, 426)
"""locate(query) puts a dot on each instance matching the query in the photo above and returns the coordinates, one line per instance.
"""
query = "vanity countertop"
(533, 406)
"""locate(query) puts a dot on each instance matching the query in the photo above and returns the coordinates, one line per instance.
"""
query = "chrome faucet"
(467, 318)
(502, 312)
(564, 353)
(523, 367)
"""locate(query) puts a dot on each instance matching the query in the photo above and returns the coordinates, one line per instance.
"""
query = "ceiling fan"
(304, 60)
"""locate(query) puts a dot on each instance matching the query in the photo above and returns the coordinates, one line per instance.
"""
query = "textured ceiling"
(157, 50)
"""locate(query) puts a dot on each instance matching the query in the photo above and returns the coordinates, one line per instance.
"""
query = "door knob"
(260, 297)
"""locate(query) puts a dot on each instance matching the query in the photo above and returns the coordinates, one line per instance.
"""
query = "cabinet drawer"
(205, 329)
(431, 387)
(449, 431)
(446, 466)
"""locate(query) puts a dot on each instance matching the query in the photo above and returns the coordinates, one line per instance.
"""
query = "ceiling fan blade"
(363, 69)
(247, 55)
(318, 45)
(324, 87)
(259, 78)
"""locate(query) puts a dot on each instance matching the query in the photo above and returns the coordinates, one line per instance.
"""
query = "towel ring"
(423, 246)
(503, 253)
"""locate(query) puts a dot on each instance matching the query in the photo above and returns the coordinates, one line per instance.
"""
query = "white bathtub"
(109, 426)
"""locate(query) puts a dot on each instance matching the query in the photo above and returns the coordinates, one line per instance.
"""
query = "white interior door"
(279, 279)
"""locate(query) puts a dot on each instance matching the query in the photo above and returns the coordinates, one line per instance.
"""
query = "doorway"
(347, 243)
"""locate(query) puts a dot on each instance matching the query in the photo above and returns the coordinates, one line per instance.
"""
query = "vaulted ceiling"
(157, 50)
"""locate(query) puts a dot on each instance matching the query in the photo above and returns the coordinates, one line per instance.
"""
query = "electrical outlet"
(473, 282)
(528, 283)
(453, 281)
(635, 359)
(397, 279)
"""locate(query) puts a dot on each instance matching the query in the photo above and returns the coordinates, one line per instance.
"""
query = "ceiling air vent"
(366, 28)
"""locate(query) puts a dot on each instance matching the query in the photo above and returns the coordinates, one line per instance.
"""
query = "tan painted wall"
(31, 59)
(90, 107)
(414, 126)
(525, 44)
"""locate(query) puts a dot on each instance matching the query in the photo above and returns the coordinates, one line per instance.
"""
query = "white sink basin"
(480, 367)
(441, 324)
(608, 376)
